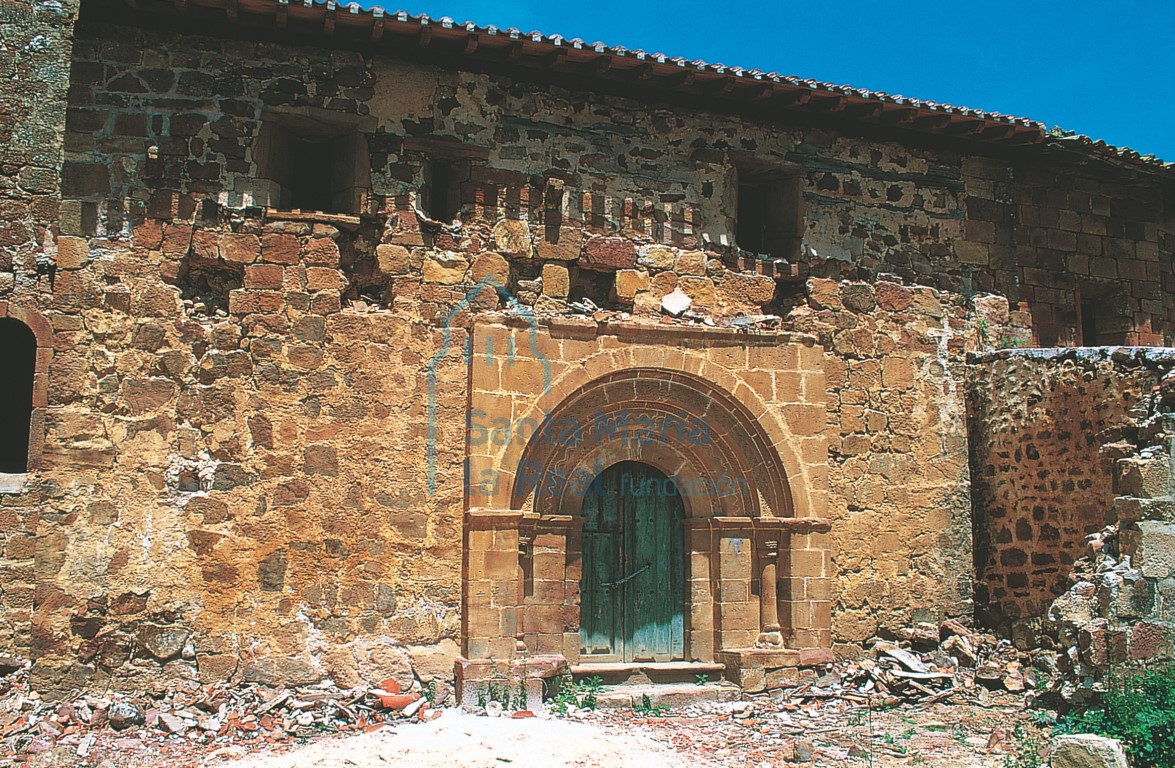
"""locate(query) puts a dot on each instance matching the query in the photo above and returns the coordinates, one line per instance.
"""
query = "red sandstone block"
(177, 238)
(263, 276)
(206, 244)
(279, 249)
(44, 357)
(608, 253)
(325, 303)
(169, 270)
(323, 279)
(149, 234)
(240, 249)
(243, 302)
(321, 251)
(811, 657)
(269, 302)
(1149, 641)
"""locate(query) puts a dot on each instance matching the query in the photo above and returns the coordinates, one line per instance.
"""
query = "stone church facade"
(332, 324)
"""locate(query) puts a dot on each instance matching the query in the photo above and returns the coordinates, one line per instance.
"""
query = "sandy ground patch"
(459, 740)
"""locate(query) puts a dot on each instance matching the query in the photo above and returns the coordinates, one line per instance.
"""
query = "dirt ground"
(763, 733)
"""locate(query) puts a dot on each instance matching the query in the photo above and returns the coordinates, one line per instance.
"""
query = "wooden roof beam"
(715, 84)
(599, 65)
(825, 102)
(555, 58)
(897, 114)
(762, 91)
(1024, 135)
(963, 126)
(862, 110)
(683, 79)
(641, 71)
(997, 131)
(931, 120)
(793, 97)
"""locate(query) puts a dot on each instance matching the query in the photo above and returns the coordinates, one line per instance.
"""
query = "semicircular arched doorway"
(632, 590)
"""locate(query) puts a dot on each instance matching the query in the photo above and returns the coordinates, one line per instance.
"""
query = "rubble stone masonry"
(1047, 428)
(256, 422)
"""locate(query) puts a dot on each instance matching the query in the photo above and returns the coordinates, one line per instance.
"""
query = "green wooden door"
(632, 594)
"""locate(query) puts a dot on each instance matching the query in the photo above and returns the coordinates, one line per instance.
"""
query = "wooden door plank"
(601, 631)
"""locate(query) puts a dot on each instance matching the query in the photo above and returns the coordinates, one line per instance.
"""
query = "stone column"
(525, 564)
(770, 636)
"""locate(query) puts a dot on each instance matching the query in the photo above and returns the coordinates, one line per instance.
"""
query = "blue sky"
(1105, 69)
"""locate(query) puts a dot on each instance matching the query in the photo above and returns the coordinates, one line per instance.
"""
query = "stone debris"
(940, 662)
(209, 717)
(756, 322)
(1086, 751)
(584, 306)
(842, 716)
(676, 303)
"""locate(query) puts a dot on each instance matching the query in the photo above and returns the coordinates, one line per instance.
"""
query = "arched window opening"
(18, 349)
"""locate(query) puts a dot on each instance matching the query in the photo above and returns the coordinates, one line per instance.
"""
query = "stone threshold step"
(639, 672)
(671, 695)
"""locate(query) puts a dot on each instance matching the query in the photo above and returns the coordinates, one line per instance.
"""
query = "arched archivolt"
(718, 442)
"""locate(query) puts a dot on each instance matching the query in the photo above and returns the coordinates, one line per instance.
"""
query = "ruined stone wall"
(1120, 609)
(934, 216)
(1055, 241)
(1046, 428)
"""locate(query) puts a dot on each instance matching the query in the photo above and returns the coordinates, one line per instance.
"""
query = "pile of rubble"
(207, 717)
(929, 664)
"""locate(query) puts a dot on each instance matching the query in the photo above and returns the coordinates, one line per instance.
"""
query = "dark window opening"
(1106, 316)
(18, 349)
(310, 182)
(312, 163)
(442, 188)
(751, 217)
(770, 211)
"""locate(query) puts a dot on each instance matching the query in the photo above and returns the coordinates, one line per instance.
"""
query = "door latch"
(626, 579)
